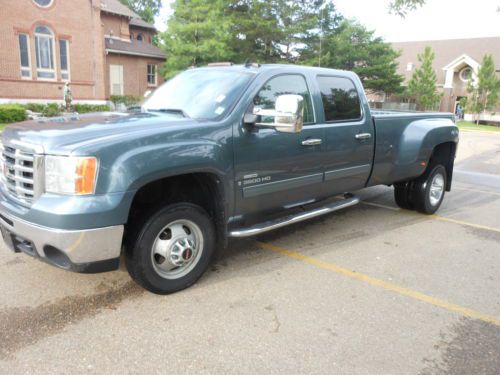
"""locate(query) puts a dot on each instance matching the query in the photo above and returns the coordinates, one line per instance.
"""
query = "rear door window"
(340, 99)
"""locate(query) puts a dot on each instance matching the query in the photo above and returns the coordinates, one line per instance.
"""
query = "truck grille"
(18, 173)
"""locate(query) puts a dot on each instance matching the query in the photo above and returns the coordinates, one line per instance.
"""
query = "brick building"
(456, 63)
(100, 46)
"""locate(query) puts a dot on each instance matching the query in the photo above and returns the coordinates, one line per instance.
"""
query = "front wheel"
(172, 249)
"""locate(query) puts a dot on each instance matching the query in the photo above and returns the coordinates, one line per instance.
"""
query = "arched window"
(466, 74)
(44, 46)
(140, 37)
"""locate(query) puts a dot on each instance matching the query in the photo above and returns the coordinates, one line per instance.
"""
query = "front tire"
(172, 248)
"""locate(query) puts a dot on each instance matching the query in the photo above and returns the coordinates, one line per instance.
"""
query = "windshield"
(199, 94)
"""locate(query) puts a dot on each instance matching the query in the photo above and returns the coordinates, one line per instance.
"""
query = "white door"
(116, 79)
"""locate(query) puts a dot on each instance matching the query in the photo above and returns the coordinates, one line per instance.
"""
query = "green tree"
(422, 86)
(402, 7)
(279, 30)
(147, 9)
(197, 34)
(264, 31)
(484, 91)
(352, 47)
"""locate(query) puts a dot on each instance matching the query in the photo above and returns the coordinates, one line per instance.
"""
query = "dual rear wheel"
(424, 194)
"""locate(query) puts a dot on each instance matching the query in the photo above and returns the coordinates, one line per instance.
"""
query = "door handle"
(362, 136)
(312, 142)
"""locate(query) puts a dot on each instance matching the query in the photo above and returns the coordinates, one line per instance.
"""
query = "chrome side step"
(292, 219)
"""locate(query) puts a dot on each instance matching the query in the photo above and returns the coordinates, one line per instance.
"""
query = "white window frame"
(461, 74)
(38, 57)
(25, 68)
(155, 75)
(68, 70)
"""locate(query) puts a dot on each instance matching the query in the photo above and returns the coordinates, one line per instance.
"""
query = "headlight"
(70, 175)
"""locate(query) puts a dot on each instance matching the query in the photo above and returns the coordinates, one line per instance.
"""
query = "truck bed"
(387, 114)
(398, 138)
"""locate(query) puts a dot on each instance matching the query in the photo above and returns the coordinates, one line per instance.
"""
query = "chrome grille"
(18, 173)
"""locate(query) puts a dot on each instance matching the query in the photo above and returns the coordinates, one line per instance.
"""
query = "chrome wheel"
(177, 249)
(437, 189)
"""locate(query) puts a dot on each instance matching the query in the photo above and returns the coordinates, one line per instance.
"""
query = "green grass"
(2, 126)
(466, 125)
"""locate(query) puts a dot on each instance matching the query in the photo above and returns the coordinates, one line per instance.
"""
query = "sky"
(437, 19)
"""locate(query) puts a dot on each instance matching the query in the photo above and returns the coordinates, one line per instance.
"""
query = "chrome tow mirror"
(288, 114)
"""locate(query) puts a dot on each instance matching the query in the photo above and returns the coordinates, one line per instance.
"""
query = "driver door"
(276, 170)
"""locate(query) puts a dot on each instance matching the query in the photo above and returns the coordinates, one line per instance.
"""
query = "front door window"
(283, 85)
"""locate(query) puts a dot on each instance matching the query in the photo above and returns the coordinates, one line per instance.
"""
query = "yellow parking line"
(384, 284)
(437, 217)
(485, 227)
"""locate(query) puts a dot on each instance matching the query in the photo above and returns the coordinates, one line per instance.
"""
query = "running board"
(292, 219)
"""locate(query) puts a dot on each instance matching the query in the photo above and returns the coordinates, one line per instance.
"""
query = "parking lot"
(369, 290)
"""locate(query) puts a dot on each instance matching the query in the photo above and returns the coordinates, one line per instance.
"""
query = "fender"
(405, 154)
(140, 166)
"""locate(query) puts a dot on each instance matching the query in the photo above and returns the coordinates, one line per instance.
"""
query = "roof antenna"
(248, 63)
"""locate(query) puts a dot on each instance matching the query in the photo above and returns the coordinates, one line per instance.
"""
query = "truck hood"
(64, 135)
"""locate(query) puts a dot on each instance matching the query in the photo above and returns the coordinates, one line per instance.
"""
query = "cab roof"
(257, 68)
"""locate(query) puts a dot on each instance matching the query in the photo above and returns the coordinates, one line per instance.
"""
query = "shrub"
(12, 113)
(51, 110)
(35, 107)
(88, 108)
(128, 100)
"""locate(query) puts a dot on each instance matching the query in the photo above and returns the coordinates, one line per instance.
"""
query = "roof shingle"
(116, 7)
(134, 48)
(137, 22)
(446, 51)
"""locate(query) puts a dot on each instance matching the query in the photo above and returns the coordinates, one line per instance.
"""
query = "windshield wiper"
(170, 110)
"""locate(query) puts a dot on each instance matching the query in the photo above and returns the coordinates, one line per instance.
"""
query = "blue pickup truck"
(216, 152)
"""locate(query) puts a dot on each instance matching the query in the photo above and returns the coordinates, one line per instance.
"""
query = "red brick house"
(100, 46)
(457, 62)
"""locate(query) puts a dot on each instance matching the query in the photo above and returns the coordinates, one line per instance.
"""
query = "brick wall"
(77, 21)
(148, 35)
(134, 73)
(116, 26)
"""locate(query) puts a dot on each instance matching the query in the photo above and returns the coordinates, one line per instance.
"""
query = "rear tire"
(428, 190)
(402, 195)
(171, 249)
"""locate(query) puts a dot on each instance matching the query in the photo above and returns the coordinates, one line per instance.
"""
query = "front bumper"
(86, 251)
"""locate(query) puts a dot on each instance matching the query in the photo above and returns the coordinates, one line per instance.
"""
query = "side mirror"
(288, 114)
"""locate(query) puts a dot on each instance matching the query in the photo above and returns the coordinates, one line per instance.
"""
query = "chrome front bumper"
(89, 251)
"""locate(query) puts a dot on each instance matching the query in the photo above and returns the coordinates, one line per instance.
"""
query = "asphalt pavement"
(369, 290)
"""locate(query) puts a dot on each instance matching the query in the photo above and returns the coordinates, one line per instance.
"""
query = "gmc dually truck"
(214, 153)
